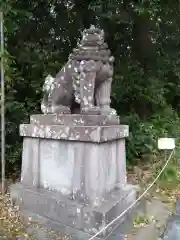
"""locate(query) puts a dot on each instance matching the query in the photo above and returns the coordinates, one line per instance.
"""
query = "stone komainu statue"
(85, 79)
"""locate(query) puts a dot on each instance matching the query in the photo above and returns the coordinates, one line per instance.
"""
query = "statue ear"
(83, 33)
(102, 34)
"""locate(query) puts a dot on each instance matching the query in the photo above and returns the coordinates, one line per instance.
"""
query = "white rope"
(134, 203)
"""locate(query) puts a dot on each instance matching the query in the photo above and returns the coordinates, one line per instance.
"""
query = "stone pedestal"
(74, 173)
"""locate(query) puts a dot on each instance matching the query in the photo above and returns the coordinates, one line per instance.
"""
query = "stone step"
(173, 227)
(146, 208)
(148, 232)
(156, 215)
(40, 232)
(74, 120)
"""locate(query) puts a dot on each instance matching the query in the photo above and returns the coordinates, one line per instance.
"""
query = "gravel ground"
(11, 226)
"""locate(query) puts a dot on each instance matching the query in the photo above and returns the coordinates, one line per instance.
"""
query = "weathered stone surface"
(178, 207)
(156, 213)
(74, 119)
(73, 214)
(86, 79)
(30, 162)
(159, 211)
(149, 232)
(78, 168)
(173, 229)
(45, 230)
(75, 133)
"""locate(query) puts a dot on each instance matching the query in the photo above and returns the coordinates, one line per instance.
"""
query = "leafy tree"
(143, 37)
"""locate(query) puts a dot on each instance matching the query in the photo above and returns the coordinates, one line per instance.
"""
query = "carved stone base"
(74, 173)
(58, 212)
(94, 134)
(74, 120)
(87, 169)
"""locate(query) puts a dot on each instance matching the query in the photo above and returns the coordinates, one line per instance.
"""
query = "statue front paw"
(90, 110)
(108, 111)
(60, 109)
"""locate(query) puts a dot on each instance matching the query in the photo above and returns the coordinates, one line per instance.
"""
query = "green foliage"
(170, 176)
(142, 142)
(143, 37)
